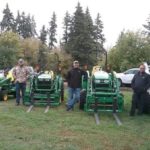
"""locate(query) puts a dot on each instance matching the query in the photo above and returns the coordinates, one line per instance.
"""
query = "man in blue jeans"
(74, 79)
(20, 74)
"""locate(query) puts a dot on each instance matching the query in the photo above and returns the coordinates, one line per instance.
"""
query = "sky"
(116, 15)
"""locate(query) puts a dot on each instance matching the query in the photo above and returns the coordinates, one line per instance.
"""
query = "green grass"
(61, 130)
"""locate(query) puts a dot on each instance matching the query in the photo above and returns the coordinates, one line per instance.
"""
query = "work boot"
(69, 108)
(132, 114)
(17, 104)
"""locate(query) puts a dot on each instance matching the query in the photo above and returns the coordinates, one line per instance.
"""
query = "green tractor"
(101, 93)
(44, 89)
(7, 87)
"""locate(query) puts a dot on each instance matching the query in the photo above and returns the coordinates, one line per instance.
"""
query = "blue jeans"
(73, 96)
(20, 87)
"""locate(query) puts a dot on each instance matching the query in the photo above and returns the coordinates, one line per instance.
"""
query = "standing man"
(74, 79)
(140, 85)
(20, 74)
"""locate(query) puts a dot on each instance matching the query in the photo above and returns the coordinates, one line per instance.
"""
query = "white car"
(126, 77)
(1, 73)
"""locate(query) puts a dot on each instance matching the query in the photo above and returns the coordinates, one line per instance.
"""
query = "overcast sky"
(115, 14)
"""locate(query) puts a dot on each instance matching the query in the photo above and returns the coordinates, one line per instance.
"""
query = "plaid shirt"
(20, 74)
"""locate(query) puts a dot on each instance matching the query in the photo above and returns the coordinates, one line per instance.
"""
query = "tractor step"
(110, 105)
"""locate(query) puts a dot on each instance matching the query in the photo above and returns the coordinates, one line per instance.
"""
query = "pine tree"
(76, 38)
(67, 24)
(81, 37)
(98, 35)
(17, 23)
(43, 35)
(25, 25)
(8, 22)
(52, 32)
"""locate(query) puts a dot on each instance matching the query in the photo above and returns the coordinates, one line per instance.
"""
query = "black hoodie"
(140, 82)
(74, 77)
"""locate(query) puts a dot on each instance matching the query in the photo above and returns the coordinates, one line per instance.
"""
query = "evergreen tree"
(98, 35)
(43, 35)
(81, 38)
(8, 22)
(89, 23)
(52, 32)
(25, 25)
(67, 24)
(17, 23)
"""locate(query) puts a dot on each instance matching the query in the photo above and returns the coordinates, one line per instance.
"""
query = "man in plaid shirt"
(20, 74)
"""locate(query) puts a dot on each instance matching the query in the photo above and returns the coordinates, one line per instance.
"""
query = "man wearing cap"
(74, 79)
(20, 74)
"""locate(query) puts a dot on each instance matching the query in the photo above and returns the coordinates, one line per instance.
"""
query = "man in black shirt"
(74, 79)
(140, 85)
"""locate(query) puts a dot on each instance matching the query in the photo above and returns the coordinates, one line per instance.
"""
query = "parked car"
(1, 73)
(126, 77)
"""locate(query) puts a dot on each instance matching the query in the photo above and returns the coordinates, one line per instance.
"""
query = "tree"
(98, 35)
(130, 50)
(8, 22)
(43, 35)
(42, 56)
(25, 25)
(52, 31)
(9, 49)
(67, 24)
(29, 50)
(81, 40)
(18, 23)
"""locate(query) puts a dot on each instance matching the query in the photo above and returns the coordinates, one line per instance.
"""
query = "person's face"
(142, 68)
(76, 65)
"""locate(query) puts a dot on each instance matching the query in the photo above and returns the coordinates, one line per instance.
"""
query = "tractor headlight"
(97, 81)
(106, 81)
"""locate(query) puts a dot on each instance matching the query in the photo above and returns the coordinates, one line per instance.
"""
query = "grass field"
(61, 130)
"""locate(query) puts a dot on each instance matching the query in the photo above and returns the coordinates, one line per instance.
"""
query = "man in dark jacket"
(140, 85)
(74, 79)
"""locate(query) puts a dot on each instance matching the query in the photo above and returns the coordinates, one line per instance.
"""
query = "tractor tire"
(82, 100)
(3, 96)
(62, 92)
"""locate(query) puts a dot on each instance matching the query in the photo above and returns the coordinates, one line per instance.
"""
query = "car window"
(132, 71)
(129, 72)
(135, 71)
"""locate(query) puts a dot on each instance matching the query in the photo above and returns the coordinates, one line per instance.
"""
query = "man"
(140, 85)
(74, 79)
(20, 74)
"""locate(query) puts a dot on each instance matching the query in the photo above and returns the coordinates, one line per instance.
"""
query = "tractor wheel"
(62, 92)
(3, 96)
(82, 100)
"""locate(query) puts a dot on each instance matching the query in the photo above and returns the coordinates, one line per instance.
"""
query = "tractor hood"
(101, 75)
(44, 76)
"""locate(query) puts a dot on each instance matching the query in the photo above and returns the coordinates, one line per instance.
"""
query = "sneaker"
(17, 104)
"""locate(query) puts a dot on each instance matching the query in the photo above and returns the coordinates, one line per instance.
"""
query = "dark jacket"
(74, 77)
(140, 82)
